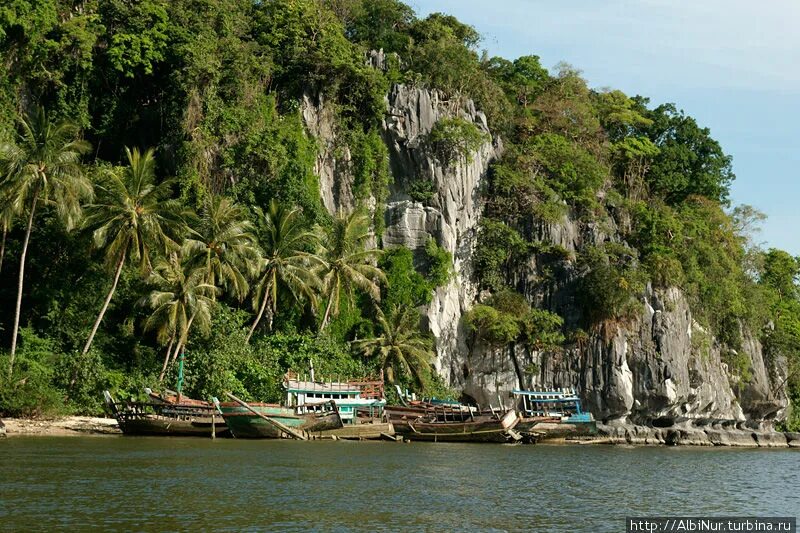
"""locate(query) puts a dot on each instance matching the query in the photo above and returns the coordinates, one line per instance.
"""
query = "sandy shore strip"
(60, 427)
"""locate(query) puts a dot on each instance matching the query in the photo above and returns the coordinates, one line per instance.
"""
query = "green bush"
(405, 285)
(572, 171)
(507, 317)
(612, 285)
(30, 391)
(422, 190)
(498, 252)
(438, 264)
(454, 139)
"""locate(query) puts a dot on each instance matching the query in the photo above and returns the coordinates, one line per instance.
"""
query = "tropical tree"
(223, 245)
(285, 242)
(6, 221)
(400, 345)
(348, 263)
(181, 299)
(42, 166)
(132, 215)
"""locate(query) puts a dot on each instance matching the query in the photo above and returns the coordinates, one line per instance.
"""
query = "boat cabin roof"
(310, 387)
(548, 396)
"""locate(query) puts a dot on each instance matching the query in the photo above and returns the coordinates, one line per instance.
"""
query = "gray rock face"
(450, 217)
(656, 378)
(335, 173)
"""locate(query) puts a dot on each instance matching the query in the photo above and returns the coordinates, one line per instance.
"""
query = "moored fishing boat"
(257, 420)
(361, 405)
(167, 415)
(496, 427)
(553, 414)
(314, 410)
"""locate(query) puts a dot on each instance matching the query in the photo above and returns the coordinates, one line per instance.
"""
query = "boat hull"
(482, 428)
(554, 429)
(244, 424)
(155, 425)
(363, 431)
(159, 417)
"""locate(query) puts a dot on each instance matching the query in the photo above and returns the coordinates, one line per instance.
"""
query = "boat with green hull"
(245, 424)
(314, 410)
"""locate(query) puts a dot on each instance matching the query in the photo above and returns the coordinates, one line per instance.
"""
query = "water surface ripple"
(157, 484)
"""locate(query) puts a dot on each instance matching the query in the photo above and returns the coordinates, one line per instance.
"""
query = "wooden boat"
(360, 403)
(553, 414)
(314, 410)
(364, 425)
(245, 424)
(167, 416)
(477, 428)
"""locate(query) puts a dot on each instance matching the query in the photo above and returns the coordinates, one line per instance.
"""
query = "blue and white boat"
(553, 414)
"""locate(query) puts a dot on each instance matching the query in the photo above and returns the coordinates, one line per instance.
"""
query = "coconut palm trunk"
(166, 359)
(3, 248)
(21, 281)
(258, 318)
(110, 295)
(183, 339)
(327, 315)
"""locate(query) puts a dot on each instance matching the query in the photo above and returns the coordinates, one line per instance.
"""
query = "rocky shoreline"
(716, 434)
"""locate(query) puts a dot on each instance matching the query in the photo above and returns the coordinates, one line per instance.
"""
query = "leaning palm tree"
(132, 215)
(181, 299)
(285, 241)
(349, 264)
(400, 345)
(223, 244)
(42, 166)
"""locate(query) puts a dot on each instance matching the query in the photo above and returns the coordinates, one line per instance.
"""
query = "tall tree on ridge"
(132, 215)
(348, 263)
(400, 345)
(42, 165)
(223, 245)
(181, 298)
(285, 241)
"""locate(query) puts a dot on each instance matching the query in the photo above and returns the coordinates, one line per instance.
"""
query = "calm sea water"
(158, 484)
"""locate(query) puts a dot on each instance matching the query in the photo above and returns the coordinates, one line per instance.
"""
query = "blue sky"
(732, 64)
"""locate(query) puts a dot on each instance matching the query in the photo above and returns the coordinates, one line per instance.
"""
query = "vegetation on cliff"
(217, 240)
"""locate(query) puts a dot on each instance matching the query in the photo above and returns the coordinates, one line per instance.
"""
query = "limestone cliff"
(657, 370)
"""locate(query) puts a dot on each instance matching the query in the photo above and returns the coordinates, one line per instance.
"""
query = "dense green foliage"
(223, 225)
(507, 317)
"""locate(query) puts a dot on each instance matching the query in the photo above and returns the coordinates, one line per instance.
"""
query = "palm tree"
(132, 215)
(224, 246)
(6, 222)
(181, 299)
(42, 165)
(400, 345)
(349, 264)
(285, 241)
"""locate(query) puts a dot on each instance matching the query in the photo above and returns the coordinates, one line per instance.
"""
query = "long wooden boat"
(244, 424)
(478, 428)
(165, 416)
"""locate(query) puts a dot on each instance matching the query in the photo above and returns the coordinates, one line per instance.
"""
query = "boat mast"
(180, 375)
